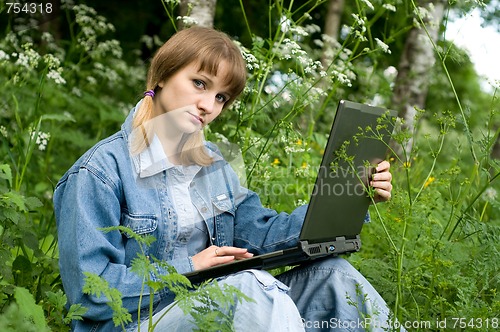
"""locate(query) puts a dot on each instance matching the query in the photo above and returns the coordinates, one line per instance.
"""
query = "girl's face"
(192, 99)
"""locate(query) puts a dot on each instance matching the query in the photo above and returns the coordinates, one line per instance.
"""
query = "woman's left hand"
(381, 182)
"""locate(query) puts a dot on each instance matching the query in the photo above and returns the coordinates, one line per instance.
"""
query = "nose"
(206, 103)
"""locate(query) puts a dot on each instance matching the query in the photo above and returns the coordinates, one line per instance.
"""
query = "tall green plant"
(209, 305)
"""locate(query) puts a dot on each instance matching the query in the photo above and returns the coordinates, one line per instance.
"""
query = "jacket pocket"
(139, 224)
(222, 203)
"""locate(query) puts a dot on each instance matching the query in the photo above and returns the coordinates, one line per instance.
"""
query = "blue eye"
(199, 83)
(221, 98)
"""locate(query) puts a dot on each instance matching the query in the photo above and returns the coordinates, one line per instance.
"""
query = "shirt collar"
(152, 160)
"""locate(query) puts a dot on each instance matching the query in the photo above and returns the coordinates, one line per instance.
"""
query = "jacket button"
(204, 209)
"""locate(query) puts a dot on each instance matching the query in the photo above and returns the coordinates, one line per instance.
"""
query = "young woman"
(158, 176)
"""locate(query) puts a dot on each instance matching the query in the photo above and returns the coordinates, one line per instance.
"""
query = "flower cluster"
(3, 131)
(41, 139)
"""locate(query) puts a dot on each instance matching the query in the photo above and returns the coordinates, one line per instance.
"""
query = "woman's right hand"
(214, 255)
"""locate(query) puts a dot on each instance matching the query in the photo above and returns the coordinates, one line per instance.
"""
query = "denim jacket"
(105, 188)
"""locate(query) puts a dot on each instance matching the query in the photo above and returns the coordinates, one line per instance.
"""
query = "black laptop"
(339, 202)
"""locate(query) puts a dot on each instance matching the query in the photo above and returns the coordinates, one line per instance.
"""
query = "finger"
(383, 166)
(382, 195)
(245, 256)
(221, 260)
(384, 185)
(384, 176)
(231, 251)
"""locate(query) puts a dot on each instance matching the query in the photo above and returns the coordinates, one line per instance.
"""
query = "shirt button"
(204, 209)
(191, 184)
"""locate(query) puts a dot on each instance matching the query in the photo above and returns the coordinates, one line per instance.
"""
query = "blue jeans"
(324, 295)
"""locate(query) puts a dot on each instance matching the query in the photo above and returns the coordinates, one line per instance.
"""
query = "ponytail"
(141, 137)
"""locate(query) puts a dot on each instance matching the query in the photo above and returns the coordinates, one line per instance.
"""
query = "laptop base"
(294, 256)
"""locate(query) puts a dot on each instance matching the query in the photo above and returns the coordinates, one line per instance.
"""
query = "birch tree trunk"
(331, 28)
(417, 60)
(200, 12)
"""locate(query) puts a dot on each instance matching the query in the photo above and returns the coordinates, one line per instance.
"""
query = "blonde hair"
(208, 48)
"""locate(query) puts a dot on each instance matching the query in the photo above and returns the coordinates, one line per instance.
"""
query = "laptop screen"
(339, 201)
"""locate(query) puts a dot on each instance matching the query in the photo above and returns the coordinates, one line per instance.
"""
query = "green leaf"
(22, 270)
(75, 312)
(6, 173)
(10, 214)
(33, 203)
(30, 309)
(16, 199)
(57, 299)
(59, 117)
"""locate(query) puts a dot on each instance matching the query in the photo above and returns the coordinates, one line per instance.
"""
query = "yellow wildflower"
(429, 181)
(276, 162)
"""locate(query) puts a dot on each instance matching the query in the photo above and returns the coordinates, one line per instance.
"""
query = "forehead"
(221, 73)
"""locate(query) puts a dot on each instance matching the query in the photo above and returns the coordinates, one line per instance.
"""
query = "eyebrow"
(210, 81)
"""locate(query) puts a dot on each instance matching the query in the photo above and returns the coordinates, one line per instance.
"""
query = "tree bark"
(200, 11)
(417, 60)
(332, 27)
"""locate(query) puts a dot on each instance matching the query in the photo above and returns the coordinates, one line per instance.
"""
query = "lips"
(199, 118)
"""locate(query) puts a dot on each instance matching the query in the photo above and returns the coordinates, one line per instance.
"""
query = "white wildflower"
(250, 59)
(389, 7)
(55, 75)
(300, 202)
(51, 61)
(359, 35)
(383, 46)
(12, 38)
(47, 37)
(4, 56)
(299, 31)
(187, 21)
(359, 20)
(490, 194)
(3, 131)
(286, 95)
(318, 42)
(88, 31)
(147, 40)
(77, 92)
(312, 28)
(294, 148)
(285, 24)
(270, 89)
(368, 4)
(29, 58)
(91, 80)
(111, 75)
(390, 73)
(304, 61)
(42, 139)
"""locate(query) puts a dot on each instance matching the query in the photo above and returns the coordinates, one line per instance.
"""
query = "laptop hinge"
(340, 245)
